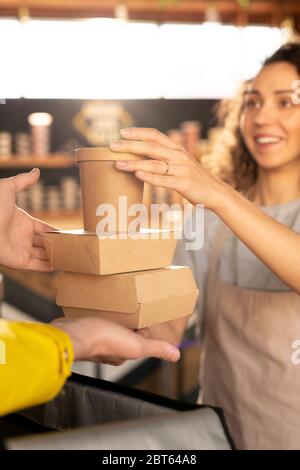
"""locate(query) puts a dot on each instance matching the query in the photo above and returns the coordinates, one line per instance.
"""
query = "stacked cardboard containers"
(121, 276)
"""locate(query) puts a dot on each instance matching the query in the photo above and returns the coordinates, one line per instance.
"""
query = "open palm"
(21, 244)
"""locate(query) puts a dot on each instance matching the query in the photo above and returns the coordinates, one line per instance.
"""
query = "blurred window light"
(113, 59)
(199, 61)
(88, 59)
(256, 44)
(12, 67)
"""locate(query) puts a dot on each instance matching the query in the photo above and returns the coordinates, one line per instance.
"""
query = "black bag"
(95, 414)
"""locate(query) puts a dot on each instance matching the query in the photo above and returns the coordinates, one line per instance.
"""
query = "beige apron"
(248, 369)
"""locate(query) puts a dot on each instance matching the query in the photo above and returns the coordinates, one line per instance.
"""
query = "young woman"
(248, 276)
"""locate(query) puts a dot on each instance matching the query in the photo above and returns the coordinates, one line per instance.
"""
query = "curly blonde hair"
(244, 169)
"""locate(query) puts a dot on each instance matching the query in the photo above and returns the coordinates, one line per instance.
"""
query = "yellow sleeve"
(35, 360)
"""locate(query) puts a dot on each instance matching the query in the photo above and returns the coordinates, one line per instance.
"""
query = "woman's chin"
(272, 163)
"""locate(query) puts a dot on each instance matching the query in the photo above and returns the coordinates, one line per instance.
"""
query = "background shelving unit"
(55, 160)
(52, 166)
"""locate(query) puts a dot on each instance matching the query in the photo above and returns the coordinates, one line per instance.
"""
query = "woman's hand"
(168, 165)
(277, 246)
(21, 244)
(99, 340)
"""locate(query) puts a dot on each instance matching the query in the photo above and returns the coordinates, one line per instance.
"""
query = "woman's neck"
(275, 187)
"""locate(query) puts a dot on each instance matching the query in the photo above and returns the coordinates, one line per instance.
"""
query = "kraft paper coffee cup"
(102, 183)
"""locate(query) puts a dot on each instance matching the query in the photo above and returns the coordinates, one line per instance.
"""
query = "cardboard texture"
(102, 183)
(122, 277)
(135, 300)
(81, 252)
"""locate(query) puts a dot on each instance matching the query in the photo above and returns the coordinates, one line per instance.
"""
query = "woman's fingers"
(148, 135)
(169, 182)
(152, 166)
(147, 149)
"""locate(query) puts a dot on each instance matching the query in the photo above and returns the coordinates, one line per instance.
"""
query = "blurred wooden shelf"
(257, 12)
(57, 214)
(54, 160)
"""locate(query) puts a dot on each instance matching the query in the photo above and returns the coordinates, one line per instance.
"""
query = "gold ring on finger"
(167, 168)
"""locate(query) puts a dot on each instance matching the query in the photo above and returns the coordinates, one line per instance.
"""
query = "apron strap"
(215, 251)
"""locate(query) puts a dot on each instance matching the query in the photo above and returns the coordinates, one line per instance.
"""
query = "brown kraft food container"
(102, 183)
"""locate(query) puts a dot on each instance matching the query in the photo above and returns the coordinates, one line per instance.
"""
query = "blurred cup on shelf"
(40, 125)
(36, 197)
(191, 134)
(5, 145)
(22, 144)
(53, 198)
(175, 135)
(69, 191)
(191, 128)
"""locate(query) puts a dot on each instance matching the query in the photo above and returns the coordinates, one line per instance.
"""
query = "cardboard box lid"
(85, 252)
(57, 240)
(143, 232)
(124, 292)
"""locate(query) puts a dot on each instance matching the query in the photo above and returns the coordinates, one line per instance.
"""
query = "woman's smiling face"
(270, 121)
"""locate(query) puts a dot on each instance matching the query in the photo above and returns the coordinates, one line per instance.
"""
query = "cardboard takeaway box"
(135, 300)
(83, 252)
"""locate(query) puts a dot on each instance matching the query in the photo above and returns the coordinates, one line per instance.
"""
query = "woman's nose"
(264, 115)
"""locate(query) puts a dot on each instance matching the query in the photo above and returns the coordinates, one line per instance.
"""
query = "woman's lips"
(267, 141)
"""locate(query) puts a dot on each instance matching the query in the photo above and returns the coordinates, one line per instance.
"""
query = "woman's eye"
(285, 103)
(251, 104)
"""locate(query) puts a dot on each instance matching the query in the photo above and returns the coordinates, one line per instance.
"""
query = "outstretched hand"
(99, 340)
(20, 234)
